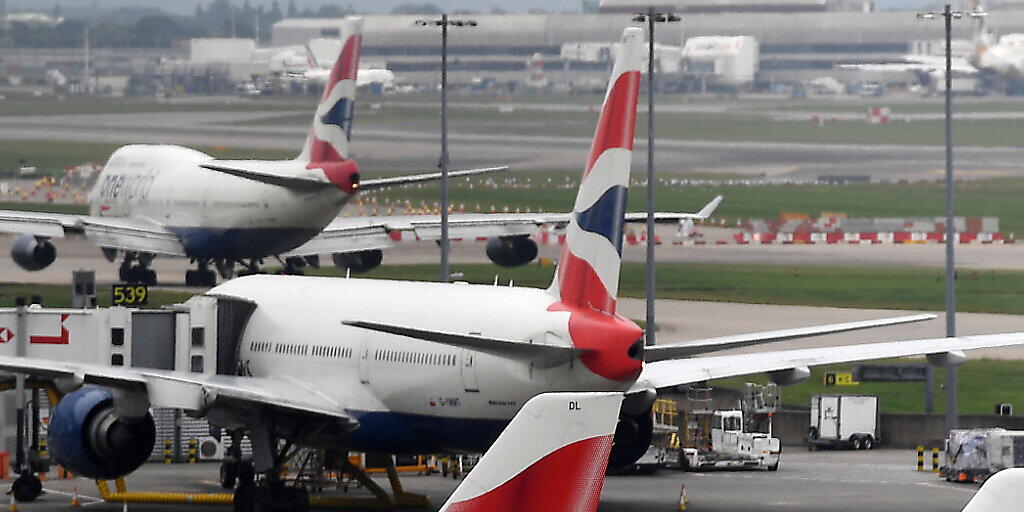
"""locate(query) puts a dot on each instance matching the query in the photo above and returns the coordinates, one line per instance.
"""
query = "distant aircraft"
(1001, 60)
(172, 201)
(402, 367)
(312, 62)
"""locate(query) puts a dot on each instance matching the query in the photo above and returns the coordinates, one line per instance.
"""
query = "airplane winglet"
(552, 456)
(709, 208)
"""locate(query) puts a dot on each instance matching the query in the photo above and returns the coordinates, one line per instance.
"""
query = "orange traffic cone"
(12, 507)
(682, 497)
(74, 496)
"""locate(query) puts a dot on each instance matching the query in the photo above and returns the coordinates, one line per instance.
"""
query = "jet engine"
(89, 438)
(33, 253)
(633, 436)
(511, 251)
(359, 262)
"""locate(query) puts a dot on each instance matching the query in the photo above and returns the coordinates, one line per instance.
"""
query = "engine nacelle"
(511, 251)
(790, 376)
(359, 262)
(948, 359)
(89, 439)
(633, 436)
(32, 253)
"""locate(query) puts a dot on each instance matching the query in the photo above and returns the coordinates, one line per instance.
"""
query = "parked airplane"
(561, 468)
(164, 200)
(412, 367)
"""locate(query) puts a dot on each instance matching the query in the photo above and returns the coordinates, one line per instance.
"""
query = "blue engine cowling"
(88, 438)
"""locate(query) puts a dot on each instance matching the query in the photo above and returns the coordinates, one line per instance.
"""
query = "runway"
(414, 146)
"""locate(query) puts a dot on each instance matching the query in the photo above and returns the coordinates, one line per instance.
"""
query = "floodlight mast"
(651, 17)
(445, 242)
(948, 15)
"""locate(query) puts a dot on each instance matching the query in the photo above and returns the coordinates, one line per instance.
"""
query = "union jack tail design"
(552, 456)
(588, 271)
(332, 126)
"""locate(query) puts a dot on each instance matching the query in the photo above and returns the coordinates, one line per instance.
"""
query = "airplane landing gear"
(252, 267)
(293, 266)
(26, 487)
(139, 272)
(201, 276)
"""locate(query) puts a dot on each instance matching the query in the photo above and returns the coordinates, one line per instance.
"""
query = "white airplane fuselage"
(410, 395)
(216, 215)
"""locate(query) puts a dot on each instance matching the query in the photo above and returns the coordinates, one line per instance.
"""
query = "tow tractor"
(731, 439)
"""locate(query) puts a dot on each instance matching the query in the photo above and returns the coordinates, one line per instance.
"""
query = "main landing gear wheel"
(26, 488)
(137, 274)
(202, 277)
(228, 474)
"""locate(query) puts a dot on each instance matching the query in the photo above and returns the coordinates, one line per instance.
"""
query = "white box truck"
(844, 421)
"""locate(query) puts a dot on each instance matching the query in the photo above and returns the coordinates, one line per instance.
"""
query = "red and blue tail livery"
(332, 125)
(552, 456)
(588, 271)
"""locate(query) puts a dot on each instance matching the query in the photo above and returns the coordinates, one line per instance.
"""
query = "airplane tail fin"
(982, 36)
(588, 270)
(329, 136)
(1002, 492)
(552, 456)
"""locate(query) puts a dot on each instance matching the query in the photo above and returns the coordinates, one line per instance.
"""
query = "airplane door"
(365, 348)
(469, 377)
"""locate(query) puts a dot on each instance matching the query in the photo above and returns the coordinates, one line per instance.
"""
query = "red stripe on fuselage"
(567, 479)
(618, 118)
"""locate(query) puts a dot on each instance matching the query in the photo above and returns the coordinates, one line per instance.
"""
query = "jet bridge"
(200, 336)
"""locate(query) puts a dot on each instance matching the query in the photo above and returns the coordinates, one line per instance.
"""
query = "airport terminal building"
(799, 39)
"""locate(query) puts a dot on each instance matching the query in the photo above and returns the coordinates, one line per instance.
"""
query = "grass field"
(810, 285)
(59, 296)
(751, 126)
(50, 156)
(24, 104)
(995, 198)
(982, 383)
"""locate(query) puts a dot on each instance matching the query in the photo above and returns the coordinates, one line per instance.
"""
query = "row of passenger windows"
(401, 356)
(300, 350)
(325, 351)
(260, 346)
(291, 349)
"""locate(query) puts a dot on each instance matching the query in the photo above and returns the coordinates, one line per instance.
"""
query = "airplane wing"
(541, 353)
(190, 391)
(49, 225)
(370, 184)
(663, 374)
(126, 233)
(708, 345)
(368, 233)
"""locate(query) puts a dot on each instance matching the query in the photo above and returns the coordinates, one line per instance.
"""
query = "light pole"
(651, 18)
(948, 16)
(445, 242)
